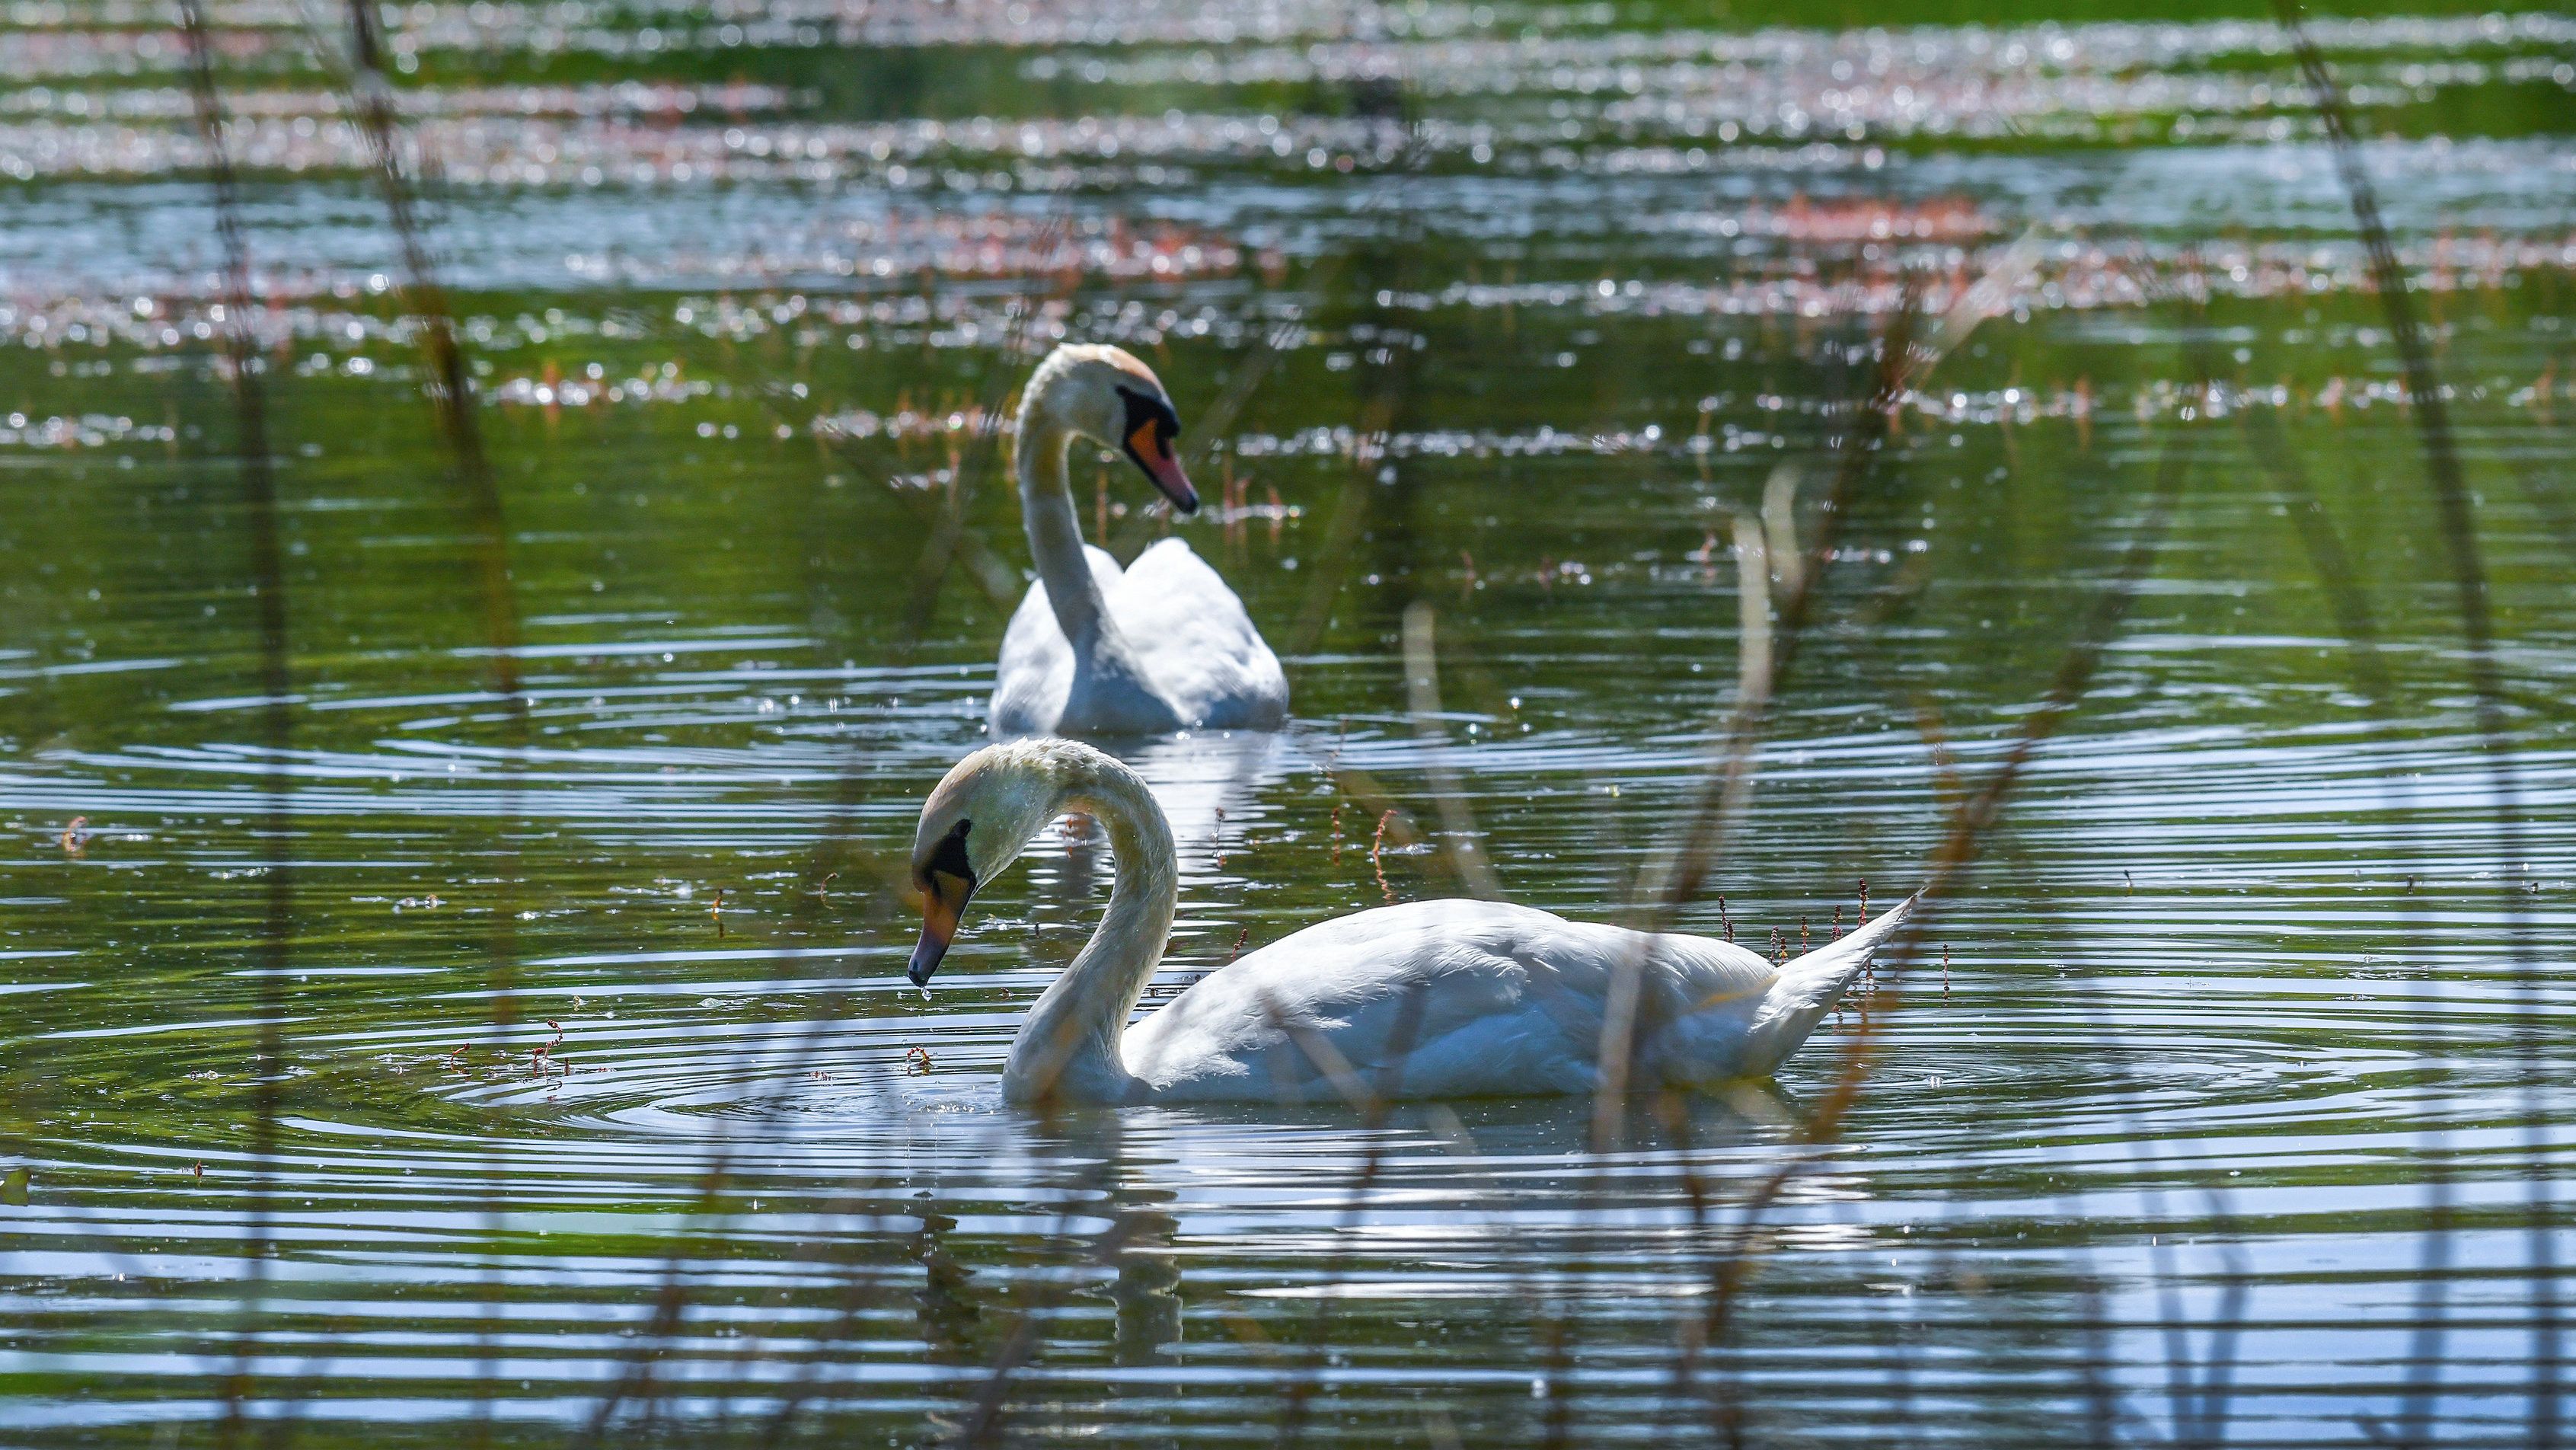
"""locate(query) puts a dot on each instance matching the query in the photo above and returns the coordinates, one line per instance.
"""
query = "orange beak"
(1153, 453)
(941, 905)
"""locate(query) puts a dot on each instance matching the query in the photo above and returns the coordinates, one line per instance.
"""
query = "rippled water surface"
(2225, 1101)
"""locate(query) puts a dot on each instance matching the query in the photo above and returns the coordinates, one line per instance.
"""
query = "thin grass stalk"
(1523, 1272)
(1753, 684)
(1387, 393)
(1970, 825)
(2197, 1393)
(1042, 1297)
(1671, 1112)
(2358, 624)
(2198, 1412)
(1457, 817)
(950, 529)
(247, 374)
(2200, 1392)
(2453, 506)
(451, 385)
(999, 581)
(2101, 1399)
(1726, 787)
(451, 390)
(2217, 1381)
(710, 1219)
(983, 1424)
(636, 1381)
(1215, 420)
(836, 844)
(1898, 1310)
(1370, 1100)
(1753, 662)
(859, 1293)
(1971, 820)
(2371, 678)
(1390, 385)
(1219, 416)
(1905, 355)
(2336, 575)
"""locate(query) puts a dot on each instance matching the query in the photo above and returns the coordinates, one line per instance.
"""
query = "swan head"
(1103, 393)
(988, 807)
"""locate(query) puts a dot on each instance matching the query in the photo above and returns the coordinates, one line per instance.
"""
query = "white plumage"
(1433, 999)
(1162, 645)
(1474, 999)
(1177, 652)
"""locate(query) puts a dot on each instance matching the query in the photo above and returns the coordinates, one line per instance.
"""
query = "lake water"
(2226, 1102)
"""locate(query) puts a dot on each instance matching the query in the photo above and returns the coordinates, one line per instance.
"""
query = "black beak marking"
(947, 882)
(1151, 426)
(948, 858)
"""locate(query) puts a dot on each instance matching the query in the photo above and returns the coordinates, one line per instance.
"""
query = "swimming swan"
(1432, 999)
(1158, 647)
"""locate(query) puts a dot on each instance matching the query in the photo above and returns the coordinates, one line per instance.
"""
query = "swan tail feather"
(1809, 986)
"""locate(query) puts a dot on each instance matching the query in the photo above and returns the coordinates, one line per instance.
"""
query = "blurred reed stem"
(246, 373)
(2453, 506)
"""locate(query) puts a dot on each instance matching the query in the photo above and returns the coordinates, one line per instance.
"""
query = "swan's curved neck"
(1067, 1050)
(1054, 529)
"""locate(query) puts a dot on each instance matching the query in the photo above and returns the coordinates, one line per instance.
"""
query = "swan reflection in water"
(1406, 1192)
(1115, 1217)
(1109, 1175)
(1480, 1166)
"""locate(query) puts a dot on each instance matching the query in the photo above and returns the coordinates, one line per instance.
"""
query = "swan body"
(1458, 998)
(1160, 646)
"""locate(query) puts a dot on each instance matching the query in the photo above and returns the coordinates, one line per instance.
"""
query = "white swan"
(1432, 999)
(1160, 646)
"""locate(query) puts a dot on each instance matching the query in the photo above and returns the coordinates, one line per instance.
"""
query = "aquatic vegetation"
(505, 526)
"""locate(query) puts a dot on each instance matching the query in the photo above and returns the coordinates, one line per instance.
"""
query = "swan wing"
(1033, 679)
(1195, 642)
(1431, 999)
(1479, 998)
